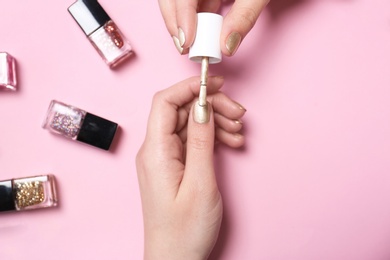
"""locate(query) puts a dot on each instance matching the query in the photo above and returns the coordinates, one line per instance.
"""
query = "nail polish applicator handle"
(206, 47)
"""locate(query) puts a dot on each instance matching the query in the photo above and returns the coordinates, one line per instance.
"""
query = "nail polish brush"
(206, 48)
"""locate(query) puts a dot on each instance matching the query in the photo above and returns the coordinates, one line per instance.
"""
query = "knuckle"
(248, 17)
(157, 97)
(140, 158)
(198, 143)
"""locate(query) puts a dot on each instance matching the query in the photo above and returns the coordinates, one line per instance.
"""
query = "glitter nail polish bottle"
(7, 72)
(28, 193)
(79, 125)
(102, 32)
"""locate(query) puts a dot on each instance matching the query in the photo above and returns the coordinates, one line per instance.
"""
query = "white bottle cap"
(207, 43)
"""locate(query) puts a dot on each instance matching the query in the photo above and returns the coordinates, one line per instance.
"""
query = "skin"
(182, 206)
(182, 14)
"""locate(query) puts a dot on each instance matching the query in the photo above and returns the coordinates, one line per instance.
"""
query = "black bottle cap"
(89, 14)
(7, 200)
(97, 131)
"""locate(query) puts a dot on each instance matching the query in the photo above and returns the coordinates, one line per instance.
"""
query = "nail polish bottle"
(101, 31)
(79, 125)
(205, 49)
(28, 193)
(7, 72)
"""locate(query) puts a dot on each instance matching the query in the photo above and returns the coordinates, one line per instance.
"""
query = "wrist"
(165, 249)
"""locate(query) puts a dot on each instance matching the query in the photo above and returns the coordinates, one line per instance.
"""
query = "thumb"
(199, 169)
(238, 22)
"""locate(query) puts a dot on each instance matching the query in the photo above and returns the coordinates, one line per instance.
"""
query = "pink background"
(312, 182)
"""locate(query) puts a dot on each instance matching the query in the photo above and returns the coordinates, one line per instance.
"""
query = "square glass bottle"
(79, 125)
(28, 193)
(101, 31)
(7, 72)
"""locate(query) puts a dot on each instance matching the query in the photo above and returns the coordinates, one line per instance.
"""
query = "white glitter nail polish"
(101, 31)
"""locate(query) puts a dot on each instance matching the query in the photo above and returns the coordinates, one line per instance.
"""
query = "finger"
(199, 169)
(210, 6)
(163, 115)
(221, 136)
(230, 126)
(183, 134)
(221, 103)
(238, 22)
(233, 140)
(168, 11)
(186, 21)
(182, 119)
(227, 107)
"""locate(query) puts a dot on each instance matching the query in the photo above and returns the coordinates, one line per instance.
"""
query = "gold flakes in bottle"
(29, 193)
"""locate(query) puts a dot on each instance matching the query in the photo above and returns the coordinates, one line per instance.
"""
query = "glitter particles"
(113, 31)
(29, 193)
(64, 119)
(65, 124)
(79, 125)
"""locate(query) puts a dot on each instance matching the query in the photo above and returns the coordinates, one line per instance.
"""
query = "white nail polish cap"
(207, 43)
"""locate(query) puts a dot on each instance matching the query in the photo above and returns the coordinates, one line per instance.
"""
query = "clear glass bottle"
(28, 193)
(79, 125)
(102, 32)
(7, 72)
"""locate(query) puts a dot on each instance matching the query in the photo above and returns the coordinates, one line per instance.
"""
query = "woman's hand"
(182, 206)
(180, 20)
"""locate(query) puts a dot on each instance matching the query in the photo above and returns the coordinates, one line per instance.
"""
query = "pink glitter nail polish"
(7, 72)
(101, 31)
(79, 125)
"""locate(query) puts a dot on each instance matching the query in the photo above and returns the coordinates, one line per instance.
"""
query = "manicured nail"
(182, 37)
(217, 77)
(232, 42)
(201, 113)
(177, 44)
(240, 106)
(238, 136)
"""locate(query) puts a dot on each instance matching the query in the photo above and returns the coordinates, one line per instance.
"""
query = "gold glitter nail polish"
(240, 106)
(232, 42)
(28, 193)
(182, 37)
(177, 44)
(201, 113)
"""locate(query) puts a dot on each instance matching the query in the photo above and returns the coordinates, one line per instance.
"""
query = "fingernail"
(232, 42)
(238, 121)
(182, 37)
(238, 136)
(240, 106)
(177, 44)
(201, 114)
